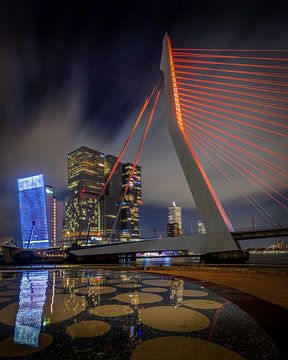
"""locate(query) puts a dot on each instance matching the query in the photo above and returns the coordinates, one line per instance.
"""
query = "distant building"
(85, 181)
(174, 226)
(201, 227)
(130, 209)
(33, 212)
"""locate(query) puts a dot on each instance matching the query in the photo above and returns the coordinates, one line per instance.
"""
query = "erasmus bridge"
(230, 106)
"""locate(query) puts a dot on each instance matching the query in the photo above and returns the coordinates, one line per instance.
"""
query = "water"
(93, 314)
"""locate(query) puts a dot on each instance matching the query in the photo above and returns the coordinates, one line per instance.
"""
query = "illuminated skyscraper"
(130, 209)
(112, 198)
(85, 182)
(54, 217)
(33, 212)
(174, 226)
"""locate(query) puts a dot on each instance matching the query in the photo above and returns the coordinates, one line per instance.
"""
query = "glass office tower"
(33, 213)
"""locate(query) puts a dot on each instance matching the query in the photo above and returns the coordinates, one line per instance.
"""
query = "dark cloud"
(76, 73)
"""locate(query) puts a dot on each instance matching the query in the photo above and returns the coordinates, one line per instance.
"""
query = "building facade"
(33, 214)
(130, 229)
(112, 199)
(84, 213)
(174, 226)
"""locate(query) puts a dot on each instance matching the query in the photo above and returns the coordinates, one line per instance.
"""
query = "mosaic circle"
(4, 299)
(158, 282)
(89, 328)
(9, 293)
(197, 293)
(154, 289)
(129, 286)
(112, 310)
(97, 289)
(169, 318)
(139, 298)
(9, 349)
(202, 304)
(182, 348)
(63, 307)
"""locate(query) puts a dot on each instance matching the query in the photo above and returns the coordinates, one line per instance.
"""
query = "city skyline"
(95, 104)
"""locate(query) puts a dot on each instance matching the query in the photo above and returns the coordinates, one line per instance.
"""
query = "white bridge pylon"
(209, 207)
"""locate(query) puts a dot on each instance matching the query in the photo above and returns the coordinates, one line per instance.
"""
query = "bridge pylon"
(209, 207)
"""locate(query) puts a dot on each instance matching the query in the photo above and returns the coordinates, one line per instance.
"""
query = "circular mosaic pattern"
(169, 318)
(89, 328)
(139, 298)
(158, 282)
(9, 293)
(4, 299)
(63, 307)
(154, 289)
(9, 349)
(97, 289)
(112, 310)
(197, 293)
(129, 286)
(182, 348)
(202, 304)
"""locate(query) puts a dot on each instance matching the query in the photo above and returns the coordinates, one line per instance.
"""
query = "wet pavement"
(100, 314)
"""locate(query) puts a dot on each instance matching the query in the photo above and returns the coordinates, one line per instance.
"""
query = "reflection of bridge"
(196, 82)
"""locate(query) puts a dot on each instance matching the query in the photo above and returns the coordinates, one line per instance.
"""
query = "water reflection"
(177, 292)
(31, 302)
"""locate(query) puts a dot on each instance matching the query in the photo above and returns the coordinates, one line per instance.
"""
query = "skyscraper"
(130, 209)
(112, 198)
(84, 214)
(174, 226)
(33, 212)
(40, 213)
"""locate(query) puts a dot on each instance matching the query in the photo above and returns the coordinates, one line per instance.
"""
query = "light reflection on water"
(31, 301)
(52, 301)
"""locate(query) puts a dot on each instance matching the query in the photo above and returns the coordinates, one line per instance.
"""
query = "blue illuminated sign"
(30, 182)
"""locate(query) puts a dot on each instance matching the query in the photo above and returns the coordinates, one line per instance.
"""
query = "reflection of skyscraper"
(33, 211)
(85, 182)
(130, 208)
(31, 302)
(174, 226)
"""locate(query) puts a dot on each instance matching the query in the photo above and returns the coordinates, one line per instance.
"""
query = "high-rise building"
(33, 214)
(201, 227)
(112, 198)
(54, 217)
(174, 225)
(84, 213)
(130, 207)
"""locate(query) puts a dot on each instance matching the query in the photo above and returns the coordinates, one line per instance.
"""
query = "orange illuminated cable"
(224, 153)
(245, 116)
(127, 141)
(203, 148)
(263, 161)
(195, 55)
(264, 66)
(241, 93)
(136, 160)
(257, 73)
(249, 80)
(242, 173)
(245, 141)
(234, 106)
(222, 123)
(227, 84)
(245, 161)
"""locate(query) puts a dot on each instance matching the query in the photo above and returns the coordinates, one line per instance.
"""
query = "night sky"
(76, 73)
